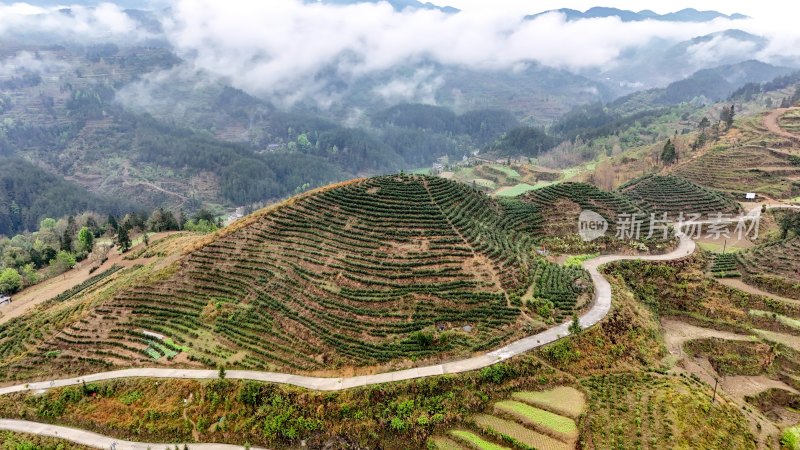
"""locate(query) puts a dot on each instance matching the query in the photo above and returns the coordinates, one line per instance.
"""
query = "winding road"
(599, 309)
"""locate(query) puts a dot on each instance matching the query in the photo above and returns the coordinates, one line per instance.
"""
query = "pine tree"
(123, 239)
(669, 155)
(575, 326)
(731, 115)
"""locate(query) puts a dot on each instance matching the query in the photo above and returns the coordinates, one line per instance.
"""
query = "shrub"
(497, 373)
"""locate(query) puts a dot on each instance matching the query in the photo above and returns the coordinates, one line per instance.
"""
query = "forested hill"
(28, 194)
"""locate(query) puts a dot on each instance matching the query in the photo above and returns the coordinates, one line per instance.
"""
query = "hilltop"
(369, 272)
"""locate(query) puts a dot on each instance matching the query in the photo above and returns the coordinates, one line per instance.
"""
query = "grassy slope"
(21, 441)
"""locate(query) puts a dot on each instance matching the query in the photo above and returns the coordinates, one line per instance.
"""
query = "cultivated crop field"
(724, 266)
(387, 269)
(790, 121)
(742, 169)
(646, 411)
(674, 195)
(562, 203)
(773, 266)
(562, 400)
(520, 425)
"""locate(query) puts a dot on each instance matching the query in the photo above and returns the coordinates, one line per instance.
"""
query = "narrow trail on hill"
(598, 311)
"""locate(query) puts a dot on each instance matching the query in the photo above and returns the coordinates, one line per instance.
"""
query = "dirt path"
(39, 293)
(677, 333)
(742, 286)
(773, 126)
(741, 386)
(128, 181)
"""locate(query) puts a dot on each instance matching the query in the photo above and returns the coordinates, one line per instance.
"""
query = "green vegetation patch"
(508, 171)
(10, 440)
(517, 435)
(725, 266)
(790, 439)
(578, 260)
(516, 190)
(788, 321)
(476, 441)
(562, 400)
(539, 417)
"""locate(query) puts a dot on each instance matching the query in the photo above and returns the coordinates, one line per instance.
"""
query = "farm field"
(560, 426)
(505, 180)
(674, 195)
(790, 121)
(562, 400)
(724, 266)
(773, 266)
(561, 204)
(739, 170)
(646, 411)
(518, 425)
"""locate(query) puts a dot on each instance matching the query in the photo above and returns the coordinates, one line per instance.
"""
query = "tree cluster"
(790, 223)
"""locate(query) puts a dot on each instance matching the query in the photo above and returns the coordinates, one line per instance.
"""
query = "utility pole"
(716, 381)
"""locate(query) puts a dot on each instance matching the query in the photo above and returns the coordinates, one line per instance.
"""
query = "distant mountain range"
(661, 62)
(684, 15)
(398, 5)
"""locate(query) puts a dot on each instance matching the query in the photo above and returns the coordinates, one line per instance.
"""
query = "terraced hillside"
(674, 195)
(542, 420)
(561, 204)
(744, 169)
(774, 266)
(790, 121)
(645, 411)
(378, 270)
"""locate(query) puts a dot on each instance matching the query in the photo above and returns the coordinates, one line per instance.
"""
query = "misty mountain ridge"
(684, 15)
(398, 5)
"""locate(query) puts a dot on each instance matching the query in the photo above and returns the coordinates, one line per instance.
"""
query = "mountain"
(660, 61)
(684, 15)
(720, 82)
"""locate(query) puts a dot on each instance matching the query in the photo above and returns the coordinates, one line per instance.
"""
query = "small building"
(750, 196)
(4, 299)
(437, 168)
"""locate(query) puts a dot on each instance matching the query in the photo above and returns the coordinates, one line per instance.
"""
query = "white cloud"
(719, 48)
(420, 87)
(291, 50)
(105, 21)
(285, 47)
(23, 62)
